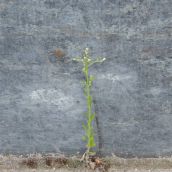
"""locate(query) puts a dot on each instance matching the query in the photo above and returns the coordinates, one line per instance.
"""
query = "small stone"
(92, 165)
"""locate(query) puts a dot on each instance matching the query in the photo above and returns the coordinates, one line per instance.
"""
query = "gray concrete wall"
(41, 99)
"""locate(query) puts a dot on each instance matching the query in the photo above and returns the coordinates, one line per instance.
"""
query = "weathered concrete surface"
(41, 99)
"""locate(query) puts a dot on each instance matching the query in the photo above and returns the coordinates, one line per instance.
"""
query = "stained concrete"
(41, 99)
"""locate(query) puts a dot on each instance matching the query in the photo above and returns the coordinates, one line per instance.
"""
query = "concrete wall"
(41, 99)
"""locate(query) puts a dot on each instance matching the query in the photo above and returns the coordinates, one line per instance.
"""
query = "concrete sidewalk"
(40, 163)
(86, 170)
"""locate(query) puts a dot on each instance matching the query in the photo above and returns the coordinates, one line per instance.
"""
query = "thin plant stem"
(87, 62)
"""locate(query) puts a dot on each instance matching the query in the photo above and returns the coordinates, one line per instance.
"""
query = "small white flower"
(87, 49)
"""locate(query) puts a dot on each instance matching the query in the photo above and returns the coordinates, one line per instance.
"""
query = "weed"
(87, 62)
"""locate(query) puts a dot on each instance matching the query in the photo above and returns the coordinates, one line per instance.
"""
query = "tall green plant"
(87, 62)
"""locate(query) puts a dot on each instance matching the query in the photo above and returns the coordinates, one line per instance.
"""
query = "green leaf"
(83, 83)
(83, 70)
(92, 78)
(92, 153)
(84, 127)
(90, 99)
(85, 92)
(91, 142)
(92, 117)
(84, 138)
